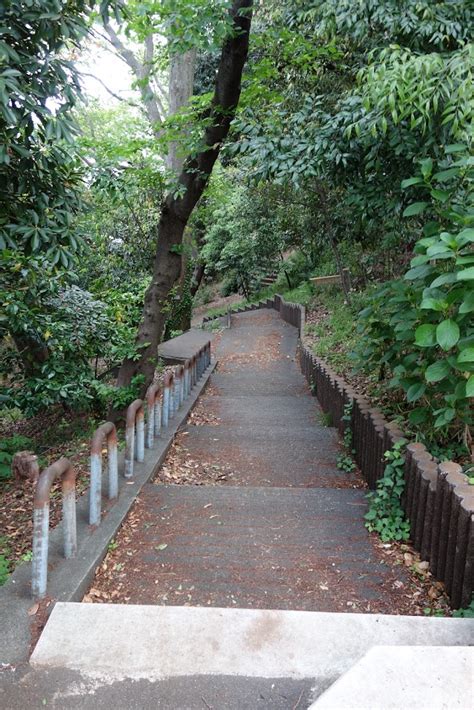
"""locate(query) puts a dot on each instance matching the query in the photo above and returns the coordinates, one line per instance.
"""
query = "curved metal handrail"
(153, 408)
(134, 436)
(108, 432)
(60, 469)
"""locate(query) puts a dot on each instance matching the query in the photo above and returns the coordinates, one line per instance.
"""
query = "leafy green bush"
(420, 328)
(204, 295)
(79, 331)
(118, 398)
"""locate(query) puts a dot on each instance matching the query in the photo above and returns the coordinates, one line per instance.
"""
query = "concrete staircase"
(284, 536)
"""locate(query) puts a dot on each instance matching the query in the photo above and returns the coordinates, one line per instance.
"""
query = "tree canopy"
(315, 136)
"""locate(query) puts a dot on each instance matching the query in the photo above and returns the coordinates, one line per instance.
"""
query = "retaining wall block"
(451, 475)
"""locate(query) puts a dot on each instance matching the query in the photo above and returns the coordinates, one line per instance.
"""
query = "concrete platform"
(153, 642)
(183, 658)
(183, 347)
(408, 677)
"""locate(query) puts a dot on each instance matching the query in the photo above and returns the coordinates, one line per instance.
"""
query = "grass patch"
(335, 327)
(302, 294)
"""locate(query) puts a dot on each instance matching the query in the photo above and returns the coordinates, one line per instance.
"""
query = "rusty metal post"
(167, 395)
(105, 431)
(157, 414)
(198, 365)
(134, 436)
(172, 406)
(153, 422)
(63, 469)
(187, 379)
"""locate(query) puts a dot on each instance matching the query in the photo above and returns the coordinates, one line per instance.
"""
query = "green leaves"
(435, 364)
(437, 371)
(415, 208)
(425, 335)
(466, 355)
(411, 181)
(416, 391)
(385, 515)
(447, 334)
(470, 387)
(466, 274)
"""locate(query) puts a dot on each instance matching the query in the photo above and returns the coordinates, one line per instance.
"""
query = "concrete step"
(275, 456)
(108, 645)
(408, 677)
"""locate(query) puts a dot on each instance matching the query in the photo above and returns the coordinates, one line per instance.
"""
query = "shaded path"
(284, 530)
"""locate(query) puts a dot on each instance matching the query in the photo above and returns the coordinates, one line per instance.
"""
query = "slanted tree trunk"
(194, 177)
(198, 274)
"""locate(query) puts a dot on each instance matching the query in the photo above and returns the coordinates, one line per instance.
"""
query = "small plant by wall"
(345, 461)
(385, 515)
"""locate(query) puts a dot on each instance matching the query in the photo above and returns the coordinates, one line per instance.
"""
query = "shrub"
(420, 328)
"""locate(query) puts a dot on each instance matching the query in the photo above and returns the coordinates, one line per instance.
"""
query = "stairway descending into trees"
(240, 592)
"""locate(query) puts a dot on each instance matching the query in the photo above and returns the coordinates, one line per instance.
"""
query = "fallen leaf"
(33, 609)
(408, 559)
(162, 546)
(422, 566)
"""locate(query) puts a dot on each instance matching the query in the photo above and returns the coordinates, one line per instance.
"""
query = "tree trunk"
(181, 83)
(33, 351)
(177, 210)
(198, 273)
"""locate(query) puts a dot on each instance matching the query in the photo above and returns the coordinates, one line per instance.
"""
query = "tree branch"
(112, 93)
(142, 73)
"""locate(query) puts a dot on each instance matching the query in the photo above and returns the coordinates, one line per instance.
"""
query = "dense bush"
(420, 329)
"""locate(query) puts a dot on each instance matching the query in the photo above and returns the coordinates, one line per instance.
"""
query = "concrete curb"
(155, 642)
(68, 580)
